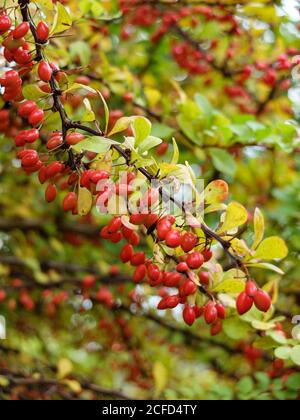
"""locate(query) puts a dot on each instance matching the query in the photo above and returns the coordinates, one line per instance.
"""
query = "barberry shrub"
(100, 106)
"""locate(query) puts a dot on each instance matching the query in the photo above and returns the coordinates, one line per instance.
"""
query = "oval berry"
(42, 31)
(21, 30)
(45, 71)
(189, 315)
(195, 260)
(262, 300)
(244, 303)
(51, 193)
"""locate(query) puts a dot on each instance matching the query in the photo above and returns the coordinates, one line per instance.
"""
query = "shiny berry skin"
(138, 219)
(138, 259)
(45, 71)
(140, 273)
(70, 201)
(163, 228)
(173, 239)
(244, 303)
(182, 267)
(30, 159)
(262, 300)
(26, 108)
(54, 142)
(204, 278)
(21, 30)
(188, 288)
(54, 169)
(115, 225)
(188, 315)
(207, 255)
(188, 242)
(51, 193)
(169, 302)
(211, 313)
(74, 138)
(127, 253)
(195, 260)
(36, 117)
(221, 311)
(5, 23)
(172, 279)
(251, 288)
(42, 31)
(154, 273)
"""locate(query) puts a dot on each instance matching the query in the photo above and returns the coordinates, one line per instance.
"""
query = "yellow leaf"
(62, 20)
(236, 215)
(73, 385)
(4, 381)
(64, 368)
(240, 247)
(152, 95)
(85, 201)
(160, 375)
(175, 157)
(121, 125)
(216, 192)
(271, 249)
(259, 228)
(233, 286)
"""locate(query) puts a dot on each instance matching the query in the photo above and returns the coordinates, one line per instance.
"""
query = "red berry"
(115, 225)
(163, 228)
(207, 255)
(42, 31)
(188, 315)
(26, 108)
(204, 278)
(21, 30)
(195, 260)
(138, 219)
(2, 292)
(172, 279)
(221, 311)
(36, 117)
(5, 23)
(138, 259)
(30, 158)
(244, 303)
(182, 267)
(154, 273)
(74, 138)
(140, 273)
(169, 302)
(188, 288)
(262, 300)
(127, 253)
(251, 288)
(173, 238)
(188, 242)
(162, 149)
(45, 71)
(211, 313)
(54, 169)
(216, 328)
(70, 201)
(88, 281)
(50, 193)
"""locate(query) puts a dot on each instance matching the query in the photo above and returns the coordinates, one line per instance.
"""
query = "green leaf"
(271, 249)
(95, 144)
(149, 143)
(204, 105)
(266, 266)
(62, 20)
(277, 336)
(142, 129)
(293, 382)
(295, 355)
(163, 131)
(33, 92)
(82, 50)
(223, 161)
(236, 329)
(89, 113)
(245, 385)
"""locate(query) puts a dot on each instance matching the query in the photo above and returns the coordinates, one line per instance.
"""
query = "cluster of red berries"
(253, 295)
(12, 84)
